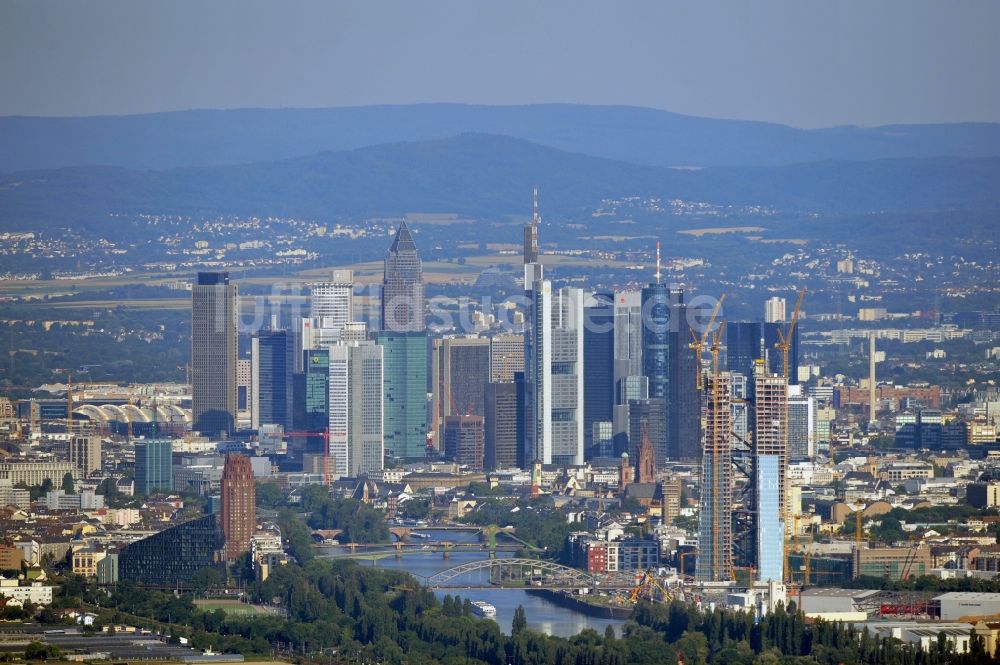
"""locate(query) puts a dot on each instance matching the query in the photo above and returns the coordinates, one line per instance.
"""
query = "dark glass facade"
(172, 556)
(599, 367)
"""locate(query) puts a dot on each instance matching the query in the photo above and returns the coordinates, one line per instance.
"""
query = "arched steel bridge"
(514, 573)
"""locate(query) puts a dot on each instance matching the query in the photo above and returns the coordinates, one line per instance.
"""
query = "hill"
(637, 135)
(480, 175)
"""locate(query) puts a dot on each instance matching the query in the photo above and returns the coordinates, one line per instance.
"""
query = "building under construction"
(715, 535)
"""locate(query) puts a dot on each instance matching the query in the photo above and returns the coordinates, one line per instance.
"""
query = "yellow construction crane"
(785, 336)
(645, 586)
(699, 342)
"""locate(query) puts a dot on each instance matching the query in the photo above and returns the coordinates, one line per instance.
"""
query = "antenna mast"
(657, 261)
(535, 217)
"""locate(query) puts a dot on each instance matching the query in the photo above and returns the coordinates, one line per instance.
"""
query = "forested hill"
(480, 175)
(631, 134)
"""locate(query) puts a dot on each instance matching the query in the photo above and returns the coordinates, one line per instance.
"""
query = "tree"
(68, 486)
(205, 578)
(520, 622)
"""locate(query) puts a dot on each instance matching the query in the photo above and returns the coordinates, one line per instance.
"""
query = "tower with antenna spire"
(531, 233)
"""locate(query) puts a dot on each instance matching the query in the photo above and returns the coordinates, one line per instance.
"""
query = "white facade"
(333, 299)
(355, 421)
(36, 592)
(554, 375)
(774, 310)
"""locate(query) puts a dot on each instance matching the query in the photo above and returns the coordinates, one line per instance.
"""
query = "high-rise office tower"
(244, 391)
(628, 338)
(715, 535)
(743, 346)
(554, 375)
(801, 425)
(464, 440)
(683, 400)
(504, 425)
(648, 422)
(85, 453)
(774, 356)
(506, 357)
(770, 421)
(214, 313)
(460, 372)
(599, 359)
(333, 300)
(774, 310)
(769, 536)
(331, 307)
(272, 364)
(656, 313)
(403, 308)
(312, 411)
(355, 406)
(404, 406)
(154, 466)
(239, 512)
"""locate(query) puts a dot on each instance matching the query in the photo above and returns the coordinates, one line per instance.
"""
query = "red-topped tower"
(239, 513)
(646, 468)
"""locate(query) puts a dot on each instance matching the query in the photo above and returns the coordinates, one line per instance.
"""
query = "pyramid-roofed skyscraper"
(403, 308)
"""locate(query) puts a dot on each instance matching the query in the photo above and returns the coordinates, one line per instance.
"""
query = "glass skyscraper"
(214, 313)
(403, 308)
(769, 527)
(271, 366)
(404, 371)
(599, 361)
(154, 466)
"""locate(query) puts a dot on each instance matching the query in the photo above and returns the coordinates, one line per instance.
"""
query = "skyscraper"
(628, 338)
(271, 366)
(355, 405)
(554, 375)
(506, 357)
(461, 370)
(599, 359)
(403, 308)
(333, 300)
(743, 346)
(774, 310)
(214, 313)
(715, 536)
(656, 313)
(801, 424)
(683, 400)
(404, 374)
(239, 512)
(504, 425)
(768, 526)
(464, 441)
(154, 466)
(770, 421)
(85, 453)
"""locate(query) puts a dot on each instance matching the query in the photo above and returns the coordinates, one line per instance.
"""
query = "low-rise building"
(22, 592)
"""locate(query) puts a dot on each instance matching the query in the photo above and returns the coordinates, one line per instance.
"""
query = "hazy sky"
(798, 62)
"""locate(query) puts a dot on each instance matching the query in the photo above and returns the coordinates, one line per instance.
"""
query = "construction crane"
(644, 588)
(699, 342)
(785, 337)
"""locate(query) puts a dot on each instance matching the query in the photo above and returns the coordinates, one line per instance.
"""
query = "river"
(542, 615)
